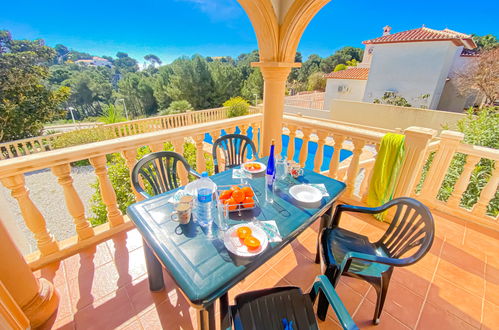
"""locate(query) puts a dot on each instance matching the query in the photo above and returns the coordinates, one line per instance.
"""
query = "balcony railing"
(355, 171)
(45, 143)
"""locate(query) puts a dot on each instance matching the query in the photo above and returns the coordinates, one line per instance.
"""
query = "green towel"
(385, 171)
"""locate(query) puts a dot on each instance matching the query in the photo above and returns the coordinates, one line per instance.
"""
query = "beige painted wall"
(391, 117)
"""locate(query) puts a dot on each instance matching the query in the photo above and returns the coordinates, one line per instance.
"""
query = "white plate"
(305, 193)
(235, 246)
(263, 167)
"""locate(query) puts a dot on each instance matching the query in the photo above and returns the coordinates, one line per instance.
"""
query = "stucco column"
(37, 298)
(274, 76)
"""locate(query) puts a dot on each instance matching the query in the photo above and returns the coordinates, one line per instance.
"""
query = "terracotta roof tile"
(425, 34)
(350, 73)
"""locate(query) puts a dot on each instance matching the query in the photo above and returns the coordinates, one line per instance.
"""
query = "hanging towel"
(385, 171)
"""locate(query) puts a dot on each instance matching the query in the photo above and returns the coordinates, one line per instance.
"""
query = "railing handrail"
(320, 125)
(48, 159)
(479, 151)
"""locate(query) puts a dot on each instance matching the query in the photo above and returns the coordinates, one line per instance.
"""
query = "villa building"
(418, 64)
(95, 61)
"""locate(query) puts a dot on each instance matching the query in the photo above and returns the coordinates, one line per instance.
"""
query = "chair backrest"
(235, 148)
(159, 170)
(411, 232)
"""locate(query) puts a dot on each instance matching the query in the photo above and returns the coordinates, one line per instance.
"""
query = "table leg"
(325, 220)
(225, 317)
(154, 270)
(206, 318)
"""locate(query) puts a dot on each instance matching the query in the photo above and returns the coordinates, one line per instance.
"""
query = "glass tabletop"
(197, 259)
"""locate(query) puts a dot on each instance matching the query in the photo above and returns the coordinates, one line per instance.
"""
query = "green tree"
(177, 107)
(393, 99)
(160, 86)
(191, 80)
(137, 90)
(153, 60)
(339, 67)
(237, 107)
(244, 63)
(125, 64)
(227, 81)
(311, 65)
(317, 82)
(26, 102)
(253, 86)
(486, 42)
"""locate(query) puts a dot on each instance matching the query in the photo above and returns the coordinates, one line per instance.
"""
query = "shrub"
(317, 82)
(112, 115)
(339, 67)
(237, 107)
(393, 99)
(82, 136)
(177, 107)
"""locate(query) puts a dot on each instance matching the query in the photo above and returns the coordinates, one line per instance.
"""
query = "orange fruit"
(248, 192)
(248, 202)
(238, 195)
(252, 242)
(226, 194)
(231, 204)
(234, 188)
(243, 232)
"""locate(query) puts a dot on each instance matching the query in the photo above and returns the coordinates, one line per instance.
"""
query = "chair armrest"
(359, 209)
(350, 256)
(322, 283)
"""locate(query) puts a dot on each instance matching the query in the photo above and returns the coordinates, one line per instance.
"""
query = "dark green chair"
(160, 171)
(235, 148)
(408, 238)
(277, 307)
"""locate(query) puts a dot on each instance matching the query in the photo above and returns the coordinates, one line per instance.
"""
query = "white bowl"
(306, 194)
(235, 246)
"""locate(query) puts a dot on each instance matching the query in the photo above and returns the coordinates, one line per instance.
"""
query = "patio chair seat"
(338, 242)
(265, 309)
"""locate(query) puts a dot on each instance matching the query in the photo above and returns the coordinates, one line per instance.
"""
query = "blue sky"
(171, 28)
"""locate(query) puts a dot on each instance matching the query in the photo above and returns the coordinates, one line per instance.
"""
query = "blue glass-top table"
(198, 261)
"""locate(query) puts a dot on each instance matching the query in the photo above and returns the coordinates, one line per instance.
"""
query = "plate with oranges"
(254, 167)
(238, 197)
(245, 240)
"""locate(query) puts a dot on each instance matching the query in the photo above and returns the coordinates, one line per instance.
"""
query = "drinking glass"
(281, 169)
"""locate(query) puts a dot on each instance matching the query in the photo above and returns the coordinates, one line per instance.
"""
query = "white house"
(95, 61)
(418, 65)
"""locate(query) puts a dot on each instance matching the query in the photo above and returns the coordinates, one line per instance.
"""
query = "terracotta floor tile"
(253, 277)
(270, 279)
(134, 325)
(175, 314)
(352, 223)
(109, 312)
(436, 318)
(490, 316)
(131, 266)
(418, 282)
(349, 297)
(306, 245)
(65, 309)
(401, 303)
(471, 261)
(359, 286)
(482, 242)
(492, 291)
(142, 298)
(364, 317)
(456, 300)
(462, 278)
(90, 286)
(121, 243)
(275, 259)
(298, 270)
(449, 230)
(87, 260)
(329, 324)
(54, 273)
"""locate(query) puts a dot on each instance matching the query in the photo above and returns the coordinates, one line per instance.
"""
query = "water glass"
(281, 169)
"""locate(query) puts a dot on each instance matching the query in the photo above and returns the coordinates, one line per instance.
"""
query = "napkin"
(239, 173)
(321, 187)
(270, 228)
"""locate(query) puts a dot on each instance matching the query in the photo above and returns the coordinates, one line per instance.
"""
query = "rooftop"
(455, 286)
(350, 73)
(425, 34)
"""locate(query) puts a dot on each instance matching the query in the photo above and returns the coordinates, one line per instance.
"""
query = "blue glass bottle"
(270, 176)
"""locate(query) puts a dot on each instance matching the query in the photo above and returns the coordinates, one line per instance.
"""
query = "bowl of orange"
(236, 198)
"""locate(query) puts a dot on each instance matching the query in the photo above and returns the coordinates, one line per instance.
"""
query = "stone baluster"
(335, 160)
(131, 159)
(200, 161)
(364, 190)
(291, 143)
(255, 127)
(32, 217)
(462, 183)
(319, 156)
(73, 201)
(157, 147)
(304, 146)
(178, 145)
(353, 169)
(487, 193)
(107, 191)
(449, 142)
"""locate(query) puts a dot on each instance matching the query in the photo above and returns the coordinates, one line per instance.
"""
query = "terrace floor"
(456, 285)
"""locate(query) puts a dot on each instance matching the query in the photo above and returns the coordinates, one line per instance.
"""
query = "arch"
(263, 18)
